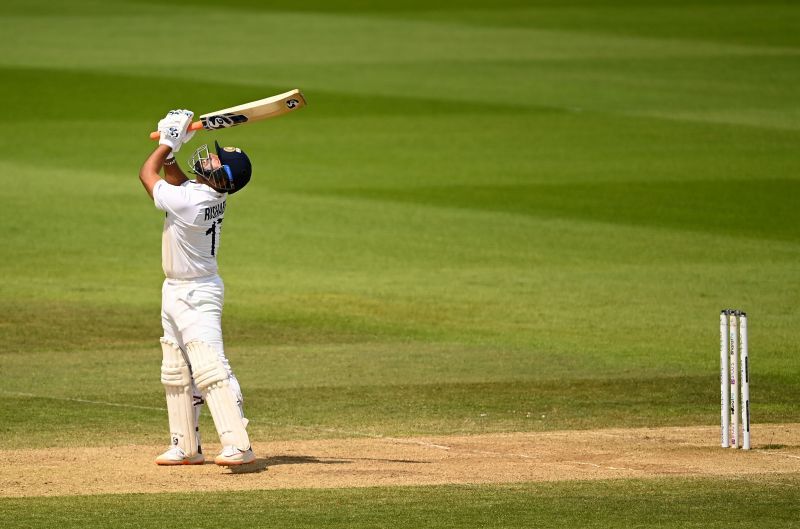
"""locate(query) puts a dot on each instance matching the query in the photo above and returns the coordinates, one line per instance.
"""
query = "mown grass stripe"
(664, 503)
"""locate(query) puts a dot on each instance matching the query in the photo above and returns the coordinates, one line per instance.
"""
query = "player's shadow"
(304, 460)
(261, 464)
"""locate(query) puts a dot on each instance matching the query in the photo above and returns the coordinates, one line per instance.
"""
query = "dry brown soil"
(495, 458)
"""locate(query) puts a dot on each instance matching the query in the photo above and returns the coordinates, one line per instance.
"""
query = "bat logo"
(292, 103)
(222, 121)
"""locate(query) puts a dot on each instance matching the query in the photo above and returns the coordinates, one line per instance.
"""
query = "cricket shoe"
(232, 456)
(176, 456)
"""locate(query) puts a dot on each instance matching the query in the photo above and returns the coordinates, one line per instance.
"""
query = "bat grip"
(197, 125)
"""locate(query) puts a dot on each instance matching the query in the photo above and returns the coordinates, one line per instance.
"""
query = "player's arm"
(173, 174)
(172, 130)
(149, 173)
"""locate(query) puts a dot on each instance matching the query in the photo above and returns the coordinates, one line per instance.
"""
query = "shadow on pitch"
(302, 460)
(261, 464)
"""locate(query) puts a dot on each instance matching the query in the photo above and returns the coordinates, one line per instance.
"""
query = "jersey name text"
(215, 211)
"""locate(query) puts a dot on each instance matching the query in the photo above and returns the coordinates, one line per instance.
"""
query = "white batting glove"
(169, 131)
(173, 128)
(188, 134)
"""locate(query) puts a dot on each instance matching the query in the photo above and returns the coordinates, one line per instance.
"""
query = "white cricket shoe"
(176, 456)
(231, 456)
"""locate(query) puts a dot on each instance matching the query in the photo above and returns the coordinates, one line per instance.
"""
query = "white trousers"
(191, 309)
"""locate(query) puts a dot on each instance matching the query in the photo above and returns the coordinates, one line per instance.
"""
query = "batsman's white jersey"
(193, 293)
(192, 229)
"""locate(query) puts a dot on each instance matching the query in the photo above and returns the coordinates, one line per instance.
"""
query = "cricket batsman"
(194, 369)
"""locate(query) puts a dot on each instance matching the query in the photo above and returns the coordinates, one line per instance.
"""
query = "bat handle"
(197, 125)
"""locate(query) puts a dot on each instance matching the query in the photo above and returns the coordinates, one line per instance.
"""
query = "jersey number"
(213, 232)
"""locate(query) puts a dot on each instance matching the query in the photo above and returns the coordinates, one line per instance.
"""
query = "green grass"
(661, 503)
(522, 213)
(518, 218)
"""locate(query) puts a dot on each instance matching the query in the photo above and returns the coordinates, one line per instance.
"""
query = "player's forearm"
(149, 173)
(173, 174)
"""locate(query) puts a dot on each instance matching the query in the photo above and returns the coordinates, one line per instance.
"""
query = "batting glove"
(173, 128)
(188, 134)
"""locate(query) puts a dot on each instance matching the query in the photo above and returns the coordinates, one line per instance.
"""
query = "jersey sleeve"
(172, 199)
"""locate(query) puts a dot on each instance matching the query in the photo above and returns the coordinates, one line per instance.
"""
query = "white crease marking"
(772, 453)
(598, 466)
(499, 454)
(364, 434)
(82, 401)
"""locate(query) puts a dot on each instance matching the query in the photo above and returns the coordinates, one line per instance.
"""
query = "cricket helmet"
(234, 171)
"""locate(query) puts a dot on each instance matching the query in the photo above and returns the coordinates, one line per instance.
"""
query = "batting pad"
(211, 379)
(177, 380)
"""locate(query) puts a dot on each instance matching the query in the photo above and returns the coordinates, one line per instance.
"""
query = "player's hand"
(188, 134)
(173, 128)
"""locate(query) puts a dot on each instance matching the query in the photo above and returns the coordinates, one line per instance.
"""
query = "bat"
(254, 111)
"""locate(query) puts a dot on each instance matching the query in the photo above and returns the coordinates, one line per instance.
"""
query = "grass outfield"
(515, 219)
(662, 503)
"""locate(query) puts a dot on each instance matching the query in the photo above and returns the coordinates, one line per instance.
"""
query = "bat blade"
(269, 107)
(257, 110)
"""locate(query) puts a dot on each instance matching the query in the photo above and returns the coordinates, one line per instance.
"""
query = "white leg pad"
(212, 379)
(177, 380)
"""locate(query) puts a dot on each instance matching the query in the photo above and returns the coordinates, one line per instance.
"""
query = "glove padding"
(173, 129)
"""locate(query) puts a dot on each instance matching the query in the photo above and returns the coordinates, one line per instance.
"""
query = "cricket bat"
(254, 111)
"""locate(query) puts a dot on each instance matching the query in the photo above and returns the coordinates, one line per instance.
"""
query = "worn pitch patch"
(384, 461)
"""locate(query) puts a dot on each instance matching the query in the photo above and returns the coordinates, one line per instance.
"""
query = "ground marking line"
(82, 401)
(500, 454)
(364, 434)
(415, 442)
(771, 453)
(410, 441)
(598, 466)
